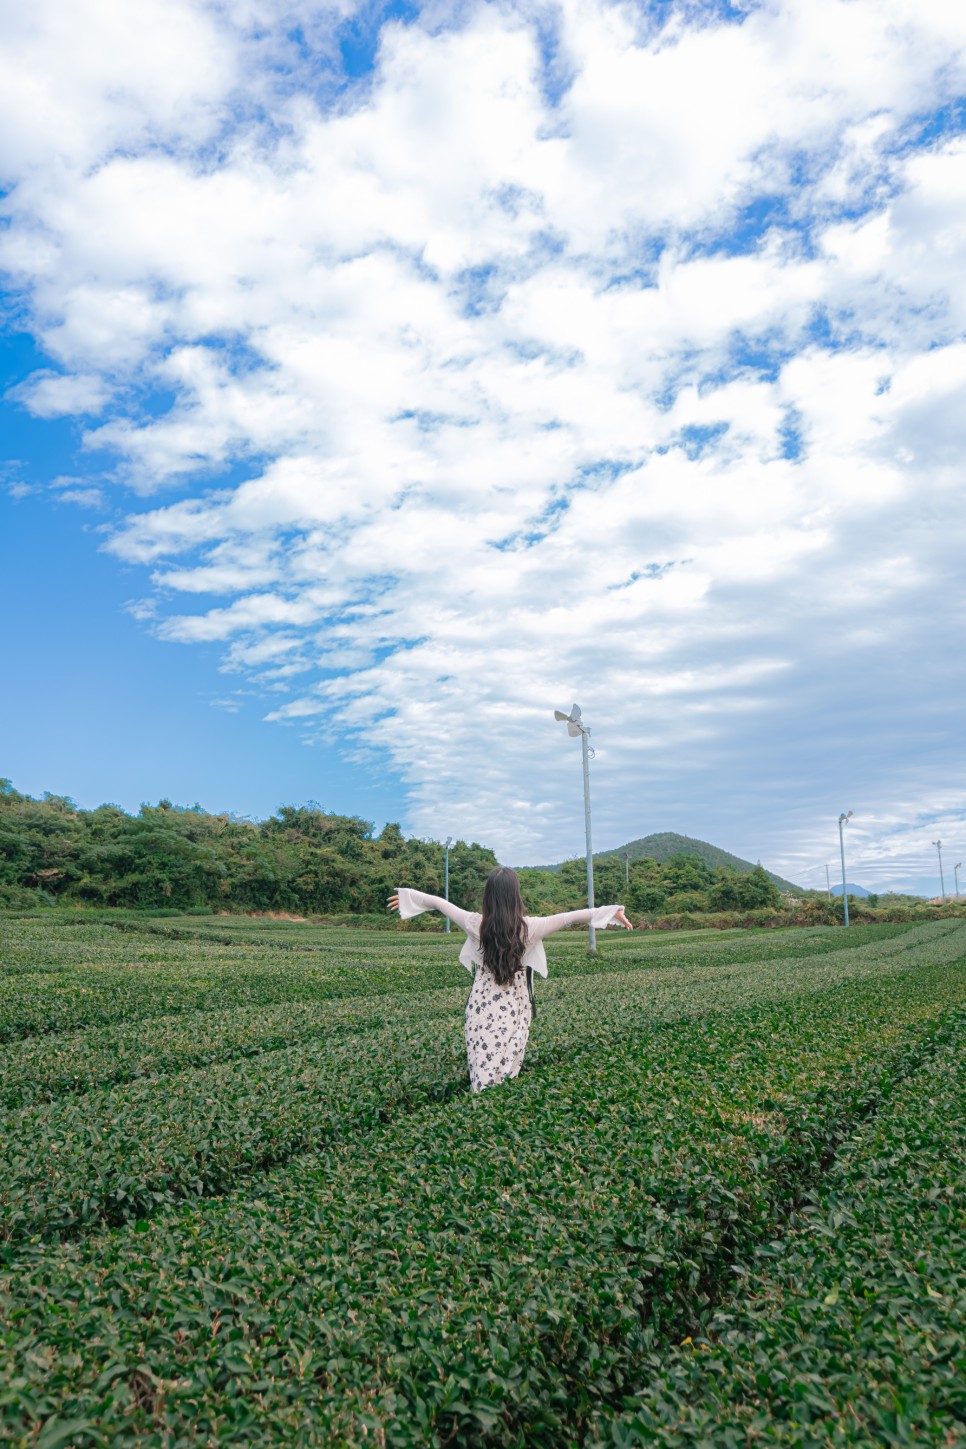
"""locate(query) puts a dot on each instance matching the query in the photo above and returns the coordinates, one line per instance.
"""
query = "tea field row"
(67, 974)
(246, 1218)
(851, 1328)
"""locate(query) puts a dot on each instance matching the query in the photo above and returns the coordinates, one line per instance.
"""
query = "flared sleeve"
(413, 903)
(598, 916)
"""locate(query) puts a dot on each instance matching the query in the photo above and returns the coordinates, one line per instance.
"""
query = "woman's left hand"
(623, 919)
(393, 903)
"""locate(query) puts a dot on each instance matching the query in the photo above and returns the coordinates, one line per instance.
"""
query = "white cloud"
(476, 400)
(257, 611)
(83, 497)
(48, 395)
(77, 80)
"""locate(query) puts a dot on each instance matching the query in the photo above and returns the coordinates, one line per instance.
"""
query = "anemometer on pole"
(844, 819)
(942, 879)
(575, 728)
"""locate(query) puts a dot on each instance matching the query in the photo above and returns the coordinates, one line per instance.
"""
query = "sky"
(376, 379)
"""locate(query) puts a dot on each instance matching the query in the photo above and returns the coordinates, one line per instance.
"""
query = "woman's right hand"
(393, 903)
(623, 919)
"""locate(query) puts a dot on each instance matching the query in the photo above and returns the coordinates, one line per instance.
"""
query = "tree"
(743, 890)
(686, 872)
(758, 891)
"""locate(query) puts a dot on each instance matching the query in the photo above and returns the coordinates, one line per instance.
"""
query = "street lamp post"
(574, 728)
(627, 868)
(956, 869)
(828, 883)
(843, 820)
(449, 842)
(942, 883)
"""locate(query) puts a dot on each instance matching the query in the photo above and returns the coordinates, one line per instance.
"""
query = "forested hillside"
(682, 883)
(306, 861)
(300, 860)
(664, 845)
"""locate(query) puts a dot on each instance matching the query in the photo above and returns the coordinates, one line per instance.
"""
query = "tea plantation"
(247, 1198)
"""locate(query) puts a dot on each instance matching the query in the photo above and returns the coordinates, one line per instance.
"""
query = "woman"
(501, 945)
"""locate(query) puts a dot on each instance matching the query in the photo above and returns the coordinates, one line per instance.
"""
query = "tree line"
(684, 883)
(302, 860)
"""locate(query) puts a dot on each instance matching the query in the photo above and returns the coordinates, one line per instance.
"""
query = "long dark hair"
(503, 929)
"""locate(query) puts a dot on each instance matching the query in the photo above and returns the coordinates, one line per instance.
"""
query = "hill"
(662, 845)
(854, 890)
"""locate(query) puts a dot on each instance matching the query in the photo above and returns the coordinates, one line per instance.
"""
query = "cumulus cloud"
(633, 370)
(48, 395)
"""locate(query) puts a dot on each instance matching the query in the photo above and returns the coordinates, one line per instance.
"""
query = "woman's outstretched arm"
(413, 903)
(598, 916)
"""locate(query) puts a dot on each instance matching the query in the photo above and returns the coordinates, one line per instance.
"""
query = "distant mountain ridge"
(665, 843)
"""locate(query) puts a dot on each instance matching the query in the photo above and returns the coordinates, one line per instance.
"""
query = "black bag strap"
(533, 1004)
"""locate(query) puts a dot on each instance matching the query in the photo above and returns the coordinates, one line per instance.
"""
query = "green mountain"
(665, 843)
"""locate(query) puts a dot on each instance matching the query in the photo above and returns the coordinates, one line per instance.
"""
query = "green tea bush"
(291, 1223)
(90, 974)
(116, 1151)
(474, 1273)
(851, 1329)
(38, 1068)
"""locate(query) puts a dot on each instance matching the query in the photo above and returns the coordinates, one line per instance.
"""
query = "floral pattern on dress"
(497, 1028)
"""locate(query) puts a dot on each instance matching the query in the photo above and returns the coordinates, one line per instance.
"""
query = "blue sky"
(375, 380)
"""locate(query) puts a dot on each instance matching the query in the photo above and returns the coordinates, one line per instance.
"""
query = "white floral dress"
(498, 1017)
(497, 1028)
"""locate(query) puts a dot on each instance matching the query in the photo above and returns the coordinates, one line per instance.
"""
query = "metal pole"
(828, 883)
(446, 886)
(845, 893)
(627, 868)
(956, 869)
(591, 934)
(942, 883)
(574, 728)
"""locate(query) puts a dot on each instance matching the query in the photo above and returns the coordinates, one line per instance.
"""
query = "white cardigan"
(413, 903)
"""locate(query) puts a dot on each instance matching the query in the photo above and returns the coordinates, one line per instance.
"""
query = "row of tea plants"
(851, 1326)
(313, 1234)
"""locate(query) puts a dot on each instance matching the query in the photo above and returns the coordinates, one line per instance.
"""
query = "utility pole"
(585, 752)
(844, 818)
(942, 883)
(449, 842)
(575, 727)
